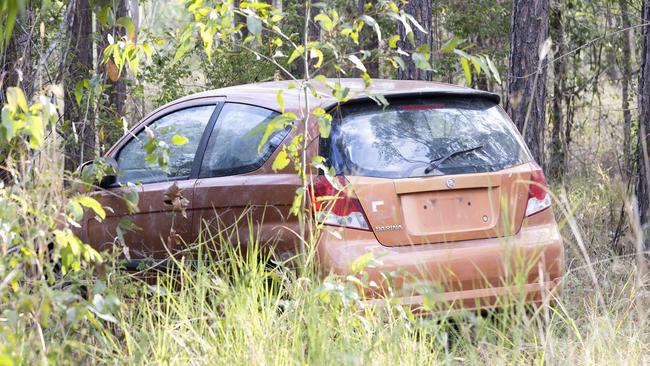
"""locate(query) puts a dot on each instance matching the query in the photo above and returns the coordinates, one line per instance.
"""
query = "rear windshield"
(420, 137)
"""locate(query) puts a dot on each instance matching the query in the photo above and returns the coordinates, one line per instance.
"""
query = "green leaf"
(128, 25)
(493, 70)
(415, 22)
(280, 100)
(466, 70)
(254, 25)
(277, 123)
(392, 41)
(373, 23)
(75, 209)
(179, 140)
(92, 204)
(315, 52)
(181, 51)
(420, 61)
(281, 161)
(16, 98)
(451, 44)
(357, 63)
(324, 122)
(36, 134)
(325, 22)
(297, 202)
(131, 198)
(296, 52)
(400, 62)
(362, 262)
(478, 64)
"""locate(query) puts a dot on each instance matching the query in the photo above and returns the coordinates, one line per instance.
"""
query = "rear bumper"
(470, 274)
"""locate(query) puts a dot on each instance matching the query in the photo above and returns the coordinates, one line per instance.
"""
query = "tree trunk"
(116, 89)
(79, 67)
(422, 12)
(526, 102)
(627, 44)
(17, 63)
(277, 4)
(556, 164)
(356, 72)
(297, 68)
(643, 163)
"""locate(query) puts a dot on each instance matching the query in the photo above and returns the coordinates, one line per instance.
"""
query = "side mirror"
(101, 172)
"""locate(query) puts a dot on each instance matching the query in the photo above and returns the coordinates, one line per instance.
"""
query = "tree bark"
(116, 89)
(17, 64)
(626, 46)
(526, 102)
(422, 12)
(643, 165)
(79, 67)
(556, 164)
(356, 72)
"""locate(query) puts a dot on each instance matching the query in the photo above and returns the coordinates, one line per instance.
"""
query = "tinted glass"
(189, 123)
(233, 145)
(403, 140)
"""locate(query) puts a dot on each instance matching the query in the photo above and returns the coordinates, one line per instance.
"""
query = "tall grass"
(237, 307)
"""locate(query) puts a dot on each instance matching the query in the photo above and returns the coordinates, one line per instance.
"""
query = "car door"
(237, 195)
(175, 135)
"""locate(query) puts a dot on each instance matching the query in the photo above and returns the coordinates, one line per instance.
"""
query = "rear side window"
(233, 144)
(420, 137)
(189, 123)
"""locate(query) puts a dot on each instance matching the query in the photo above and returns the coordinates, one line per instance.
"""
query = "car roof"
(320, 95)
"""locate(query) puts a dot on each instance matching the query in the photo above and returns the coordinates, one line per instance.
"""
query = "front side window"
(422, 136)
(233, 145)
(180, 132)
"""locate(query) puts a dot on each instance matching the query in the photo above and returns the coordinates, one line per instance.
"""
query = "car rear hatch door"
(444, 208)
(432, 169)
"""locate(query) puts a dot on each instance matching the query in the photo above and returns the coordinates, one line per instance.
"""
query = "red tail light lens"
(538, 197)
(334, 207)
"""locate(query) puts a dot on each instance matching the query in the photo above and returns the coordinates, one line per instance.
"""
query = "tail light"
(538, 196)
(334, 207)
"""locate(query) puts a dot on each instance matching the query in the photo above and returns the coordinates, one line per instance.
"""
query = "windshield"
(426, 136)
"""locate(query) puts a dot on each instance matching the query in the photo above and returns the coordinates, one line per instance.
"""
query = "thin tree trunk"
(422, 11)
(627, 45)
(360, 4)
(277, 4)
(116, 88)
(643, 165)
(297, 68)
(526, 74)
(81, 146)
(556, 162)
(17, 61)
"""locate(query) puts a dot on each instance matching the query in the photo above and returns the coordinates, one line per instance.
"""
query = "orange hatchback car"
(440, 187)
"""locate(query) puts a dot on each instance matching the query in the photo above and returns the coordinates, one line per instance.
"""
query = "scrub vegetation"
(77, 74)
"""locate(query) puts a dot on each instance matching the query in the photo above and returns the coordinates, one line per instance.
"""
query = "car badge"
(451, 183)
(388, 228)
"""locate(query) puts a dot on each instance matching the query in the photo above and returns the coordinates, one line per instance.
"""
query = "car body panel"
(154, 218)
(461, 269)
(444, 208)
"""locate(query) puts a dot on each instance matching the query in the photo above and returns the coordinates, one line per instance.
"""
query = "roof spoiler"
(469, 93)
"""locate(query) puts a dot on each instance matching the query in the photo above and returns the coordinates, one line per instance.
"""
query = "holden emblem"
(451, 183)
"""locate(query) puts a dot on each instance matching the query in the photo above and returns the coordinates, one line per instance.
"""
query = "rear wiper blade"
(434, 164)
